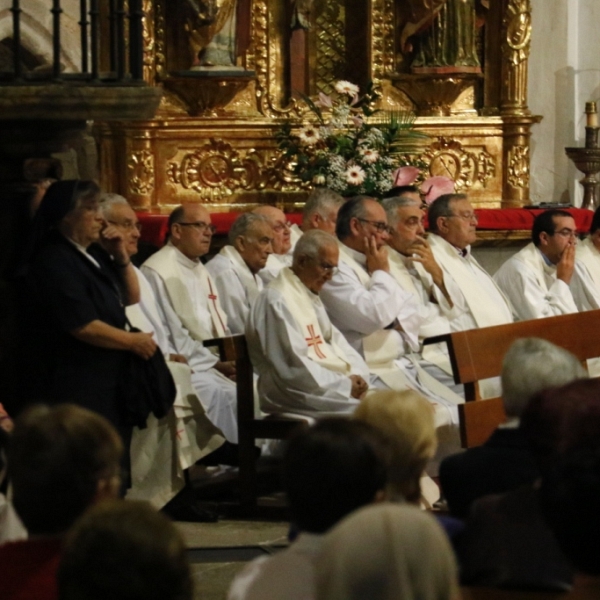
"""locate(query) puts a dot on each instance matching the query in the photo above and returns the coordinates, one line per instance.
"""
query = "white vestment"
(585, 283)
(531, 285)
(237, 286)
(480, 302)
(288, 574)
(275, 263)
(188, 300)
(162, 451)
(303, 362)
(436, 317)
(363, 307)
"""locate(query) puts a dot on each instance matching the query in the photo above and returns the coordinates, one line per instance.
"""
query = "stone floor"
(218, 551)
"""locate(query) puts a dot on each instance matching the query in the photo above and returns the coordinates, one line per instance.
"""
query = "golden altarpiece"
(212, 139)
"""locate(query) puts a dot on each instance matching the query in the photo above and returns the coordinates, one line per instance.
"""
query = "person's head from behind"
(321, 210)
(406, 421)
(61, 461)
(331, 469)
(532, 365)
(569, 500)
(386, 552)
(124, 550)
(562, 419)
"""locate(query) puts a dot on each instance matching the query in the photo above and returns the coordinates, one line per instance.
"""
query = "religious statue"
(442, 34)
(218, 32)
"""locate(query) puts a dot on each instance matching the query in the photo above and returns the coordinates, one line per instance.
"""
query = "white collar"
(183, 260)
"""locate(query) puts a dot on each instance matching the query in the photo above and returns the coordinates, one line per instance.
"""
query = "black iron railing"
(124, 43)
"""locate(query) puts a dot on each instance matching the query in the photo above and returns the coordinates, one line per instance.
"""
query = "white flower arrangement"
(346, 145)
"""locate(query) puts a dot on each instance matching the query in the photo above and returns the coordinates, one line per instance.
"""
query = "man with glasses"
(282, 242)
(537, 279)
(379, 319)
(414, 267)
(479, 301)
(162, 451)
(189, 301)
(236, 269)
(304, 364)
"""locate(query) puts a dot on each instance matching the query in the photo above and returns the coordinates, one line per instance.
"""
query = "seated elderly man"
(235, 270)
(187, 297)
(162, 451)
(537, 279)
(414, 267)
(282, 242)
(378, 318)
(480, 303)
(304, 364)
(320, 211)
(504, 461)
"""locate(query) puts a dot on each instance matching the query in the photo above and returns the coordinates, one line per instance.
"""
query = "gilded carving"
(448, 158)
(330, 45)
(518, 167)
(382, 39)
(140, 171)
(217, 170)
(148, 40)
(160, 60)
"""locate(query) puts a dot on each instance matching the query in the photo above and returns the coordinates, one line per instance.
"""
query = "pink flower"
(357, 121)
(324, 100)
(404, 176)
(434, 187)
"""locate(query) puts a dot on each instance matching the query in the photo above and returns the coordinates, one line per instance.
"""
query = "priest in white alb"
(282, 242)
(235, 270)
(162, 451)
(537, 279)
(587, 291)
(453, 228)
(304, 365)
(377, 317)
(189, 301)
(414, 267)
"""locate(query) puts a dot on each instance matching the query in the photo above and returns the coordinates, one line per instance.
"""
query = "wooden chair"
(234, 348)
(477, 354)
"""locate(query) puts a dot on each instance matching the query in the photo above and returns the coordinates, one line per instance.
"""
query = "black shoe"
(192, 512)
(227, 454)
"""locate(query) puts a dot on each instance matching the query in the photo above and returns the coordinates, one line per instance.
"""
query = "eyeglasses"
(200, 226)
(128, 225)
(327, 267)
(379, 225)
(280, 226)
(566, 233)
(468, 217)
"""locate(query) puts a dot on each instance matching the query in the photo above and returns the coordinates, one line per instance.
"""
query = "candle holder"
(587, 160)
(591, 137)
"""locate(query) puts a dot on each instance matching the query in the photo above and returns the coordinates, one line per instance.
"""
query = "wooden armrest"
(436, 339)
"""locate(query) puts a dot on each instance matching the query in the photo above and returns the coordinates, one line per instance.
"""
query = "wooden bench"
(234, 348)
(477, 354)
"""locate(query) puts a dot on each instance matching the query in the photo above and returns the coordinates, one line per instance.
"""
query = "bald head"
(190, 230)
(281, 229)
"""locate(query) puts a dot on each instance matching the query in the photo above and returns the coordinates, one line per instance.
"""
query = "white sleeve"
(199, 358)
(353, 307)
(232, 298)
(528, 298)
(585, 292)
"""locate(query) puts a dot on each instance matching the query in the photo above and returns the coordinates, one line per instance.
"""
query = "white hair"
(311, 242)
(532, 365)
(391, 206)
(321, 201)
(243, 223)
(108, 200)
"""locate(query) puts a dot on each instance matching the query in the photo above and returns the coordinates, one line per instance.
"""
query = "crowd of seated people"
(335, 318)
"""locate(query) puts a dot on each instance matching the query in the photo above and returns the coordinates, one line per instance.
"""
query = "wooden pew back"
(477, 354)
